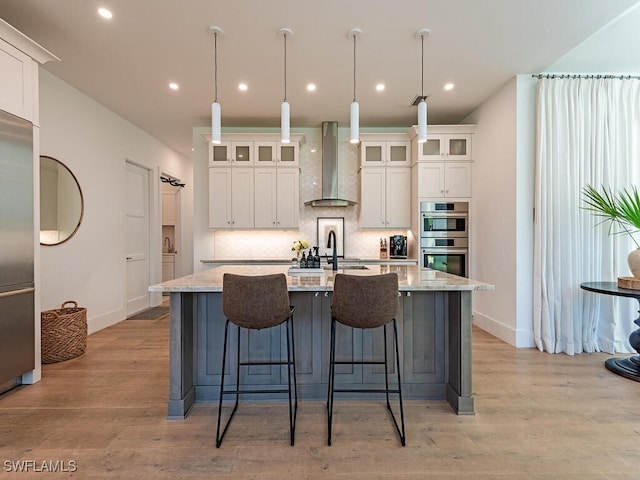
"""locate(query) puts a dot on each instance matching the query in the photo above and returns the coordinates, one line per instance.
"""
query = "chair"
(254, 303)
(365, 302)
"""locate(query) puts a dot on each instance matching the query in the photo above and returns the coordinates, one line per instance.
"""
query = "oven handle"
(443, 250)
(446, 215)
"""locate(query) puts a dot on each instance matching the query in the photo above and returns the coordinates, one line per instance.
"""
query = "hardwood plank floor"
(538, 416)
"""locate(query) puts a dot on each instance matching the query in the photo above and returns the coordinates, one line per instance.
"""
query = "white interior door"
(137, 225)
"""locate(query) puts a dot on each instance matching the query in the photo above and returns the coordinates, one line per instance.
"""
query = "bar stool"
(365, 302)
(254, 303)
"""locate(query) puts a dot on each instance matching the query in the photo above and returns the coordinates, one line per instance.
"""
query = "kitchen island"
(434, 328)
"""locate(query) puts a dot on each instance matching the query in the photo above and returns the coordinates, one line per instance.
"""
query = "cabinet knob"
(408, 294)
(317, 294)
(273, 223)
(326, 294)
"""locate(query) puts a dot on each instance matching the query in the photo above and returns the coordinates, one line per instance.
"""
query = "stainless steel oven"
(449, 255)
(444, 237)
(442, 219)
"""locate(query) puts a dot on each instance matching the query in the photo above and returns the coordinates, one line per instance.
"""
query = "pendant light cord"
(285, 67)
(354, 67)
(215, 65)
(422, 80)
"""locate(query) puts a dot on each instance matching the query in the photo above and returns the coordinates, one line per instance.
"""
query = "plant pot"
(634, 262)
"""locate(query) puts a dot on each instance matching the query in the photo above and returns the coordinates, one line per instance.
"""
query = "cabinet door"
(220, 197)
(398, 153)
(242, 154)
(433, 148)
(242, 194)
(398, 197)
(220, 155)
(372, 154)
(372, 197)
(288, 154)
(168, 270)
(430, 180)
(457, 180)
(265, 153)
(265, 197)
(287, 197)
(16, 82)
(458, 147)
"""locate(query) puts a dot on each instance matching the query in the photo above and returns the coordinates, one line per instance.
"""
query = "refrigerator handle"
(13, 293)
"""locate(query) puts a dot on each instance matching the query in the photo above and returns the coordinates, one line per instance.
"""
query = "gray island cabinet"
(434, 323)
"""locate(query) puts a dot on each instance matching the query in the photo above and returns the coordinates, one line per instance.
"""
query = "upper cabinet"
(19, 59)
(445, 147)
(381, 153)
(255, 150)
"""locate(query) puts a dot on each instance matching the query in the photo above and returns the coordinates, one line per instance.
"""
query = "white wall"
(95, 143)
(502, 210)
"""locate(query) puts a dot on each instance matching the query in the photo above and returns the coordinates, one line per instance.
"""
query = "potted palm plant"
(622, 211)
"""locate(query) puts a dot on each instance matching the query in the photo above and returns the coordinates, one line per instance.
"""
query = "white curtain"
(588, 132)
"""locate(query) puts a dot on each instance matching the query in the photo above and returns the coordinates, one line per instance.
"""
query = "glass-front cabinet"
(381, 153)
(446, 147)
(228, 154)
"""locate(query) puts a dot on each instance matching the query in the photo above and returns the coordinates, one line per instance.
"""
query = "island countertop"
(410, 277)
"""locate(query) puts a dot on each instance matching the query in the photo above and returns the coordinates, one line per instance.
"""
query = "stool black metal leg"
(332, 366)
(220, 436)
(402, 435)
(292, 413)
(386, 366)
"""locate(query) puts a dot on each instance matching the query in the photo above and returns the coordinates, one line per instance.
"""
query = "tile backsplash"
(277, 243)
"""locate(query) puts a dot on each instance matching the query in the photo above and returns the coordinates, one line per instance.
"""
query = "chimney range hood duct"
(330, 169)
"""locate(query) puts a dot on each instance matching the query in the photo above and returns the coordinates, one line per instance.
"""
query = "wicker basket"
(64, 333)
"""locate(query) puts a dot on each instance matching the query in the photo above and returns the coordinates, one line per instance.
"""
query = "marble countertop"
(287, 261)
(410, 278)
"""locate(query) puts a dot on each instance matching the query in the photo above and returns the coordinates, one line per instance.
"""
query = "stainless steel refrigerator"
(16, 250)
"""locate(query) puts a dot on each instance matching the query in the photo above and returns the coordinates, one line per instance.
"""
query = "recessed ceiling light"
(104, 13)
(174, 86)
(380, 87)
(311, 87)
(449, 86)
(243, 87)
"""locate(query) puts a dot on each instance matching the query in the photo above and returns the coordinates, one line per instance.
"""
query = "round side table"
(628, 367)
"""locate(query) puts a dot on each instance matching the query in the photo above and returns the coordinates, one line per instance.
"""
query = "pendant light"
(422, 105)
(355, 108)
(216, 127)
(285, 116)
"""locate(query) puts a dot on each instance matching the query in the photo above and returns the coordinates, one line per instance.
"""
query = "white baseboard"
(106, 320)
(516, 338)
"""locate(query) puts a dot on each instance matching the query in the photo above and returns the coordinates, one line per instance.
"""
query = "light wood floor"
(538, 416)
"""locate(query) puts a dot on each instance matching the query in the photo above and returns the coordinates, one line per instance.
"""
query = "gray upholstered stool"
(257, 302)
(365, 302)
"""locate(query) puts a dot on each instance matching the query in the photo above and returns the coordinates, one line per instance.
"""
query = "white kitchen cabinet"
(277, 197)
(444, 180)
(445, 146)
(168, 267)
(385, 153)
(238, 154)
(231, 194)
(385, 197)
(275, 153)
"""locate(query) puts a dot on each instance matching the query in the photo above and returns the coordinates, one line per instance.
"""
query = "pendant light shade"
(285, 123)
(355, 107)
(355, 122)
(285, 113)
(422, 121)
(422, 105)
(216, 124)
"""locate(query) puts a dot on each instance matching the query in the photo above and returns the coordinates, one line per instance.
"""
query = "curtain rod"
(553, 75)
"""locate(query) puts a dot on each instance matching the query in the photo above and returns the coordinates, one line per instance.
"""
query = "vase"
(634, 262)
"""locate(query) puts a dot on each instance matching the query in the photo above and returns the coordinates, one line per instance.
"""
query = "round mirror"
(61, 202)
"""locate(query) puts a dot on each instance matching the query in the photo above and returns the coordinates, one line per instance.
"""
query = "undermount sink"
(346, 267)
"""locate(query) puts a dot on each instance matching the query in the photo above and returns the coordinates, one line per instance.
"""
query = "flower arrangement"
(299, 246)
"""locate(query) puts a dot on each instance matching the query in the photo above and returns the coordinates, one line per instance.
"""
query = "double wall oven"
(444, 237)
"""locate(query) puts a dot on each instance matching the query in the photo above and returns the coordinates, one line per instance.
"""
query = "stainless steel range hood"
(330, 170)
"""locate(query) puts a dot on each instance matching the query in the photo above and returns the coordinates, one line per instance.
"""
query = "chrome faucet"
(167, 242)
(334, 259)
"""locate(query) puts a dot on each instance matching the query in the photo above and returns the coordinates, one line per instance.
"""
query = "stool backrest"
(365, 301)
(255, 302)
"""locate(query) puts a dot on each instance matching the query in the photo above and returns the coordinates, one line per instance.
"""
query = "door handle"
(129, 258)
(13, 293)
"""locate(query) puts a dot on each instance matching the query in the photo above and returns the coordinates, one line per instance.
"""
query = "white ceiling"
(126, 63)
